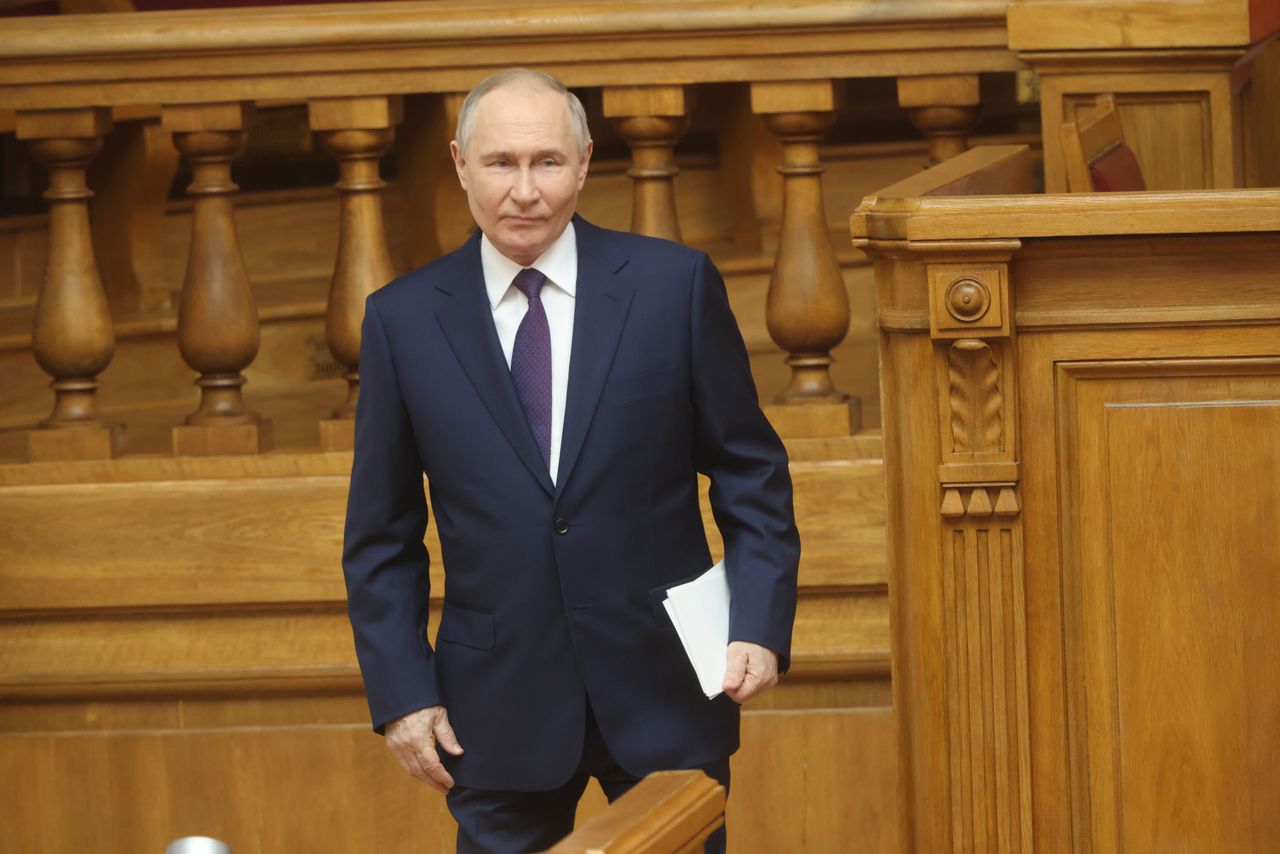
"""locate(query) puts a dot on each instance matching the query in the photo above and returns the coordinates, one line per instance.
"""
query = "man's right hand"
(413, 739)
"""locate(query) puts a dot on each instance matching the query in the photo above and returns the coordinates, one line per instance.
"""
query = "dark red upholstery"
(1116, 171)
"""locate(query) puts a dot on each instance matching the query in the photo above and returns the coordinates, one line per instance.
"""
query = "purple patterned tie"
(531, 360)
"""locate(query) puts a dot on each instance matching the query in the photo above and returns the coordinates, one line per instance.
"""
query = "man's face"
(522, 170)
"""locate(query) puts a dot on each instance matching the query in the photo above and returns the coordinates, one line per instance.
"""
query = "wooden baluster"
(807, 309)
(72, 339)
(217, 317)
(944, 108)
(357, 132)
(651, 119)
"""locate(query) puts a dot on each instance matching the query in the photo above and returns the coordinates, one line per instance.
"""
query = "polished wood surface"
(666, 812)
(1080, 435)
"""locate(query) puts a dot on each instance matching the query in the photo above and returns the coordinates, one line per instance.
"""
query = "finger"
(445, 737)
(437, 776)
(735, 669)
(408, 759)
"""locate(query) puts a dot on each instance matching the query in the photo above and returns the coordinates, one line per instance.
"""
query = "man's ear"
(584, 162)
(459, 162)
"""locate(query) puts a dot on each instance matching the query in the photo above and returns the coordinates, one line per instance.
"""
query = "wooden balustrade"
(353, 67)
(217, 317)
(665, 813)
(73, 338)
(356, 131)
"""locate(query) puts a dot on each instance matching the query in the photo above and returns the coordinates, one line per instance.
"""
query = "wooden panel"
(1170, 133)
(807, 781)
(1172, 566)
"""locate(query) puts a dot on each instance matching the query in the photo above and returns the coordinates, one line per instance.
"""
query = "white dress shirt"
(560, 265)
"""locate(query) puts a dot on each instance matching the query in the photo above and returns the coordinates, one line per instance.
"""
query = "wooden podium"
(1081, 409)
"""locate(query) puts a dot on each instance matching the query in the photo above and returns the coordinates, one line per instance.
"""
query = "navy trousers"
(519, 822)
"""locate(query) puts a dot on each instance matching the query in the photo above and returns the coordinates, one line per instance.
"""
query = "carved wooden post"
(217, 317)
(651, 119)
(944, 108)
(73, 339)
(807, 307)
(356, 131)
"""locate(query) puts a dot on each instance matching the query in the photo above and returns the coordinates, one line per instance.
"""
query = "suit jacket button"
(562, 526)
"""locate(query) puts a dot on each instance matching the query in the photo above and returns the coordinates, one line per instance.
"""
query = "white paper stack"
(699, 609)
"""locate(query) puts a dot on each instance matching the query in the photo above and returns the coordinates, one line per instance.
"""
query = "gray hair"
(521, 77)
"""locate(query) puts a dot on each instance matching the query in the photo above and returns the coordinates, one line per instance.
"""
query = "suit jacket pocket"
(464, 626)
(623, 389)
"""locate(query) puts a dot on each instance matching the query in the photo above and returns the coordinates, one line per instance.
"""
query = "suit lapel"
(600, 311)
(467, 323)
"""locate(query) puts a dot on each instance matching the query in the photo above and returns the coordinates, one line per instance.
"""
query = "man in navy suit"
(561, 386)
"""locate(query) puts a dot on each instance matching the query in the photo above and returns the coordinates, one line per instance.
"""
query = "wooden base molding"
(338, 434)
(93, 442)
(194, 440)
(816, 420)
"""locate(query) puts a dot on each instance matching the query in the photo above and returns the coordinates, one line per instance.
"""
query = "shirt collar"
(559, 263)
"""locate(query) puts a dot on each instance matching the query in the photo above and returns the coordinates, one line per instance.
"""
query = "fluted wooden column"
(945, 108)
(651, 119)
(356, 131)
(217, 317)
(807, 309)
(72, 339)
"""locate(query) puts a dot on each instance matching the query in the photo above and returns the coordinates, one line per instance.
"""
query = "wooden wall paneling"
(1177, 705)
(1262, 122)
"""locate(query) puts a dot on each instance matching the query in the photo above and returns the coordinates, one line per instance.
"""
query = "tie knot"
(530, 282)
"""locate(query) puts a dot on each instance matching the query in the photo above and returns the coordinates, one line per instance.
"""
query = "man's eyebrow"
(510, 155)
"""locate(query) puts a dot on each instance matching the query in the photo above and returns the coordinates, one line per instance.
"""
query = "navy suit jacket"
(553, 593)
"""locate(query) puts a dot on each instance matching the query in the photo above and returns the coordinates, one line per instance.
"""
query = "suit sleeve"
(737, 448)
(384, 559)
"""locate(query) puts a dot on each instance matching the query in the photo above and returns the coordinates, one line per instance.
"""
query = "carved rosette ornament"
(982, 584)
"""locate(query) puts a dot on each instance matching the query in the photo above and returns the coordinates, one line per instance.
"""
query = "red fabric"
(1116, 171)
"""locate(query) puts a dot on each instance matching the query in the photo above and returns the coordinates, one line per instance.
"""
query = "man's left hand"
(750, 669)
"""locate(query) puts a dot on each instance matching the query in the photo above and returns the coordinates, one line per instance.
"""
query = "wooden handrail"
(666, 812)
(392, 48)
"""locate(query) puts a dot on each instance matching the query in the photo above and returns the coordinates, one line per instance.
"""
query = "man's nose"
(524, 188)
